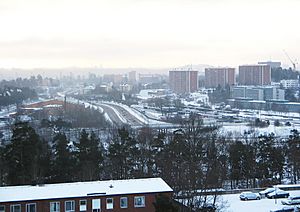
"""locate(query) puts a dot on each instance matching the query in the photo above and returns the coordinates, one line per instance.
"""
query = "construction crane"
(294, 62)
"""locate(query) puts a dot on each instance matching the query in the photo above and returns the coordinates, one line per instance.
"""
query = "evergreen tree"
(3, 169)
(175, 161)
(24, 156)
(63, 162)
(269, 159)
(242, 162)
(294, 154)
(164, 203)
(145, 153)
(212, 178)
(89, 156)
(120, 155)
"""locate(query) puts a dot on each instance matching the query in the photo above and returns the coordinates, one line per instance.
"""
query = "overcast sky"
(147, 33)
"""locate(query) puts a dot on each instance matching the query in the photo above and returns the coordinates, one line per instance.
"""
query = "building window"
(2, 208)
(96, 205)
(54, 206)
(15, 208)
(139, 202)
(109, 203)
(123, 202)
(31, 207)
(82, 205)
(69, 206)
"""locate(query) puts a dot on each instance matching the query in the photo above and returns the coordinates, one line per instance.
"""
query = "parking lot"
(234, 204)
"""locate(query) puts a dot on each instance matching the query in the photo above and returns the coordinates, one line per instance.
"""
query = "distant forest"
(20, 89)
(15, 95)
(278, 74)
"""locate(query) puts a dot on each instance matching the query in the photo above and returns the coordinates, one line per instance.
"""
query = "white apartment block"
(289, 83)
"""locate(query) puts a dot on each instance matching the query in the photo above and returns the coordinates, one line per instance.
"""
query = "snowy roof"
(52, 106)
(83, 189)
(257, 101)
(292, 103)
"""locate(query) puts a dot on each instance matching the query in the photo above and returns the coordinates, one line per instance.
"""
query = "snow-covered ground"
(264, 205)
(238, 129)
(196, 99)
(151, 93)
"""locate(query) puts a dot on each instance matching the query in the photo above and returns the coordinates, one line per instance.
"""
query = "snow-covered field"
(234, 204)
(241, 128)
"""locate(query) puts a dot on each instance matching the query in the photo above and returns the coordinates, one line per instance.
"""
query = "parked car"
(286, 209)
(292, 200)
(266, 191)
(278, 193)
(249, 196)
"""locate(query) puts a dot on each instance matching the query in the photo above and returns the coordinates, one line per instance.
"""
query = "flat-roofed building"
(292, 83)
(113, 195)
(258, 93)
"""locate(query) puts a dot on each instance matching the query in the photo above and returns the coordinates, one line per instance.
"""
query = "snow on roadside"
(139, 116)
(136, 114)
(123, 120)
(107, 118)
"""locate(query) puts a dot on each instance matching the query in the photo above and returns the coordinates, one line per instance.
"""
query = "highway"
(120, 116)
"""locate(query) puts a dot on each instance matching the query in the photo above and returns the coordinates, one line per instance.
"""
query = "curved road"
(130, 119)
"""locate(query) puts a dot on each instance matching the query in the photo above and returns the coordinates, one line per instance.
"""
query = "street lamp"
(275, 194)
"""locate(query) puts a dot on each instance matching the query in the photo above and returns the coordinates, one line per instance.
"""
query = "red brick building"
(183, 81)
(255, 75)
(219, 76)
(136, 195)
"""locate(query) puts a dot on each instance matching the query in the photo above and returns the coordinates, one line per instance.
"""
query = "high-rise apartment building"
(132, 77)
(255, 75)
(219, 76)
(184, 81)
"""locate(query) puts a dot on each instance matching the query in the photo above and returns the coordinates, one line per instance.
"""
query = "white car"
(292, 200)
(286, 209)
(249, 196)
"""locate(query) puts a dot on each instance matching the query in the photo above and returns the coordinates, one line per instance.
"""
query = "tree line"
(15, 95)
(279, 73)
(30, 82)
(193, 160)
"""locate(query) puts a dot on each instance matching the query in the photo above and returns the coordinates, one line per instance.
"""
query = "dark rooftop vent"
(92, 194)
(111, 186)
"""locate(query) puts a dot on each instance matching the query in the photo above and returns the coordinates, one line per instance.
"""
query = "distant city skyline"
(147, 33)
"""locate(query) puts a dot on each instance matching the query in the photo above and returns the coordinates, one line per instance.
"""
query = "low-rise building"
(259, 93)
(289, 83)
(255, 94)
(113, 195)
(271, 92)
